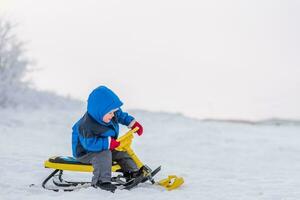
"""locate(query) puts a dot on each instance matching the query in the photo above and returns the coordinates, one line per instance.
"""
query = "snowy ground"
(219, 160)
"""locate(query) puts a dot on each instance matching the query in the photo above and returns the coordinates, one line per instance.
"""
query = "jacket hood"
(101, 101)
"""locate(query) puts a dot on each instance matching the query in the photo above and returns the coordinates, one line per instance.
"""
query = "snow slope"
(219, 160)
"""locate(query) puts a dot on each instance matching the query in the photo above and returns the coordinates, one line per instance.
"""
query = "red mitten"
(140, 131)
(113, 144)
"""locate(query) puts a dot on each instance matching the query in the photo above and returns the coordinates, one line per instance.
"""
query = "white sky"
(205, 59)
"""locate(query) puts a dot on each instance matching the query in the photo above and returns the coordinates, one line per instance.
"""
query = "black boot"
(132, 174)
(107, 186)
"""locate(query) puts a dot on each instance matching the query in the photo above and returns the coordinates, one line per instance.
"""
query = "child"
(94, 137)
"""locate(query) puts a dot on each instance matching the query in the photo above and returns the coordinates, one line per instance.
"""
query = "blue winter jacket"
(90, 133)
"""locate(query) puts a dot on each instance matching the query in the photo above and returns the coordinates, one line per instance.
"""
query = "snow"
(218, 159)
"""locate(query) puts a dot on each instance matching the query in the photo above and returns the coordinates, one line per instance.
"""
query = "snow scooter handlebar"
(125, 145)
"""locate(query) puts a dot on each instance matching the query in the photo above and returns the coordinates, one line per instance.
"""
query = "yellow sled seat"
(71, 164)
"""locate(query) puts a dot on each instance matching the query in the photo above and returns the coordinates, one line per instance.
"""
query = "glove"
(113, 144)
(140, 131)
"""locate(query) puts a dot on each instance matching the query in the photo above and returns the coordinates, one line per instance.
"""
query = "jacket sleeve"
(94, 144)
(123, 117)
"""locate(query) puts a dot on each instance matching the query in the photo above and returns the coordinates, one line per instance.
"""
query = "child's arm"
(129, 121)
(94, 144)
(123, 117)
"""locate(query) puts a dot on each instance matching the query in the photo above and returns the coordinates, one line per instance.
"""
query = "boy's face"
(107, 117)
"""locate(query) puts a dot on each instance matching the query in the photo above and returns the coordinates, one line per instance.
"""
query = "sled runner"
(65, 163)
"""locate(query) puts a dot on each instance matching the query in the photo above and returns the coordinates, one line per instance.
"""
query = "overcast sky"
(205, 59)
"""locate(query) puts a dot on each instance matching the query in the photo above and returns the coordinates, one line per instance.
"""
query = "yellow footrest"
(172, 182)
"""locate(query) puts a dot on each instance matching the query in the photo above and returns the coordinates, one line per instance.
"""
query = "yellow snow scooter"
(66, 163)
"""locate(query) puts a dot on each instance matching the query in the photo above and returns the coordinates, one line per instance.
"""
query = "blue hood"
(101, 101)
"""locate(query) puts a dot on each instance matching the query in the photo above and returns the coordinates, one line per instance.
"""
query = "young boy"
(94, 137)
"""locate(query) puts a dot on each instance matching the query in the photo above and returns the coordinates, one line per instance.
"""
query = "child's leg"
(101, 162)
(125, 161)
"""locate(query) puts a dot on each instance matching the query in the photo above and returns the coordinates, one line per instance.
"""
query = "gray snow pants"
(102, 163)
